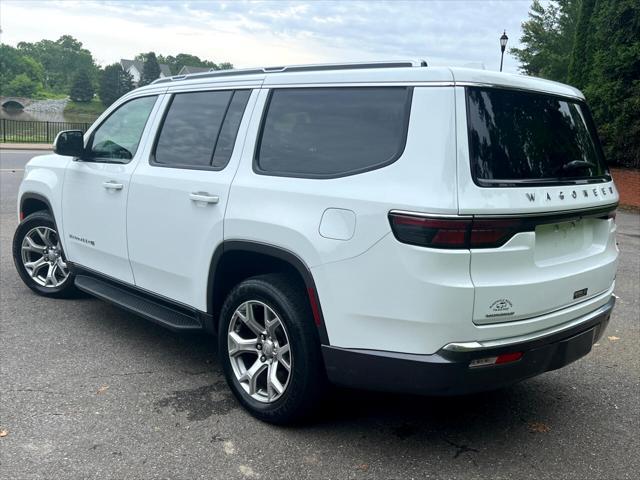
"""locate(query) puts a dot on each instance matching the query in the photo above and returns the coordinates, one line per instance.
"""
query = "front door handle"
(204, 197)
(111, 185)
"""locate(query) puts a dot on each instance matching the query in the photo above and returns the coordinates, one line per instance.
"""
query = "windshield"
(529, 138)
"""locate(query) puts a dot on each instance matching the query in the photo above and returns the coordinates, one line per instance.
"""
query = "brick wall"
(628, 184)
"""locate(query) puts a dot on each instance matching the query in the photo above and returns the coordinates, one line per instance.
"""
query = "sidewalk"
(26, 146)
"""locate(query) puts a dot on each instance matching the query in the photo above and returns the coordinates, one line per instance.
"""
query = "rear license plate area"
(573, 348)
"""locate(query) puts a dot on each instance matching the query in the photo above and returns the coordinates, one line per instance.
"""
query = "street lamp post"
(503, 45)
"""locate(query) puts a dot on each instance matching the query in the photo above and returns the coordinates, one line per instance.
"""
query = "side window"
(200, 128)
(331, 132)
(117, 138)
(227, 138)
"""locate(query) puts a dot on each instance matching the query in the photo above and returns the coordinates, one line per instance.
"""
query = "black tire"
(307, 381)
(67, 288)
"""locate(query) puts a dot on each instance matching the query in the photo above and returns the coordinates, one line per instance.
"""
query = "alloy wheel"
(259, 351)
(42, 257)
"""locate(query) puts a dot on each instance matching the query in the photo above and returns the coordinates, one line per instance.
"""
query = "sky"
(266, 33)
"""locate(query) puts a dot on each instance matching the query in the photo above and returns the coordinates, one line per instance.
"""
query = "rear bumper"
(447, 371)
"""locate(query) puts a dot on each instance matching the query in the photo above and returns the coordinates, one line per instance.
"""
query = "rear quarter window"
(332, 132)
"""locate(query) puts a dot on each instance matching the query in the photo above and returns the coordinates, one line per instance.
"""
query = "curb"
(26, 146)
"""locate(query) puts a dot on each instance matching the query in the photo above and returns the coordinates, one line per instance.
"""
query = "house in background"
(186, 70)
(135, 67)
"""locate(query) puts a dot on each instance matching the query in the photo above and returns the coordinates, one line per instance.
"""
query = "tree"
(185, 59)
(603, 38)
(14, 64)
(611, 78)
(548, 37)
(82, 89)
(582, 52)
(60, 59)
(151, 69)
(21, 86)
(114, 83)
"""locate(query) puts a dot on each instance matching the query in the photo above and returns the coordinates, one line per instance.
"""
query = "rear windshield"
(527, 138)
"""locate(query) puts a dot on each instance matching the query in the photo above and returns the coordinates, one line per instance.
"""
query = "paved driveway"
(88, 391)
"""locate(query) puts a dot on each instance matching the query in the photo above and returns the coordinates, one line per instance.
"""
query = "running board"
(158, 311)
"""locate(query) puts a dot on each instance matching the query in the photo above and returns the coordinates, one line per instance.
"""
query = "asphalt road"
(88, 391)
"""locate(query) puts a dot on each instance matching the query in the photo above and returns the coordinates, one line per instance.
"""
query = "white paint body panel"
(44, 176)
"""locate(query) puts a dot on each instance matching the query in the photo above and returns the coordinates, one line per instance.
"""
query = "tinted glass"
(191, 128)
(117, 138)
(229, 131)
(521, 137)
(323, 132)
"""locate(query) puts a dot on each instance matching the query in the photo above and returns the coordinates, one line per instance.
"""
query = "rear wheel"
(39, 258)
(269, 349)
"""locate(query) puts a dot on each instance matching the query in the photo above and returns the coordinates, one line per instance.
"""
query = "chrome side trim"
(575, 212)
(451, 216)
(513, 341)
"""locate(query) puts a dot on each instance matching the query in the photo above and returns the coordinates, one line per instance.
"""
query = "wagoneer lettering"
(388, 226)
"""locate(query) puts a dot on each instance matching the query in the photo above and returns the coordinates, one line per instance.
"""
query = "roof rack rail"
(295, 68)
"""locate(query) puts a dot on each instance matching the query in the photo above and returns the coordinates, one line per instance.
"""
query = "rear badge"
(579, 293)
(500, 308)
(582, 192)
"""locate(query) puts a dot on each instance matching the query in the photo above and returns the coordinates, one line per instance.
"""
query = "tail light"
(471, 232)
(430, 232)
(463, 233)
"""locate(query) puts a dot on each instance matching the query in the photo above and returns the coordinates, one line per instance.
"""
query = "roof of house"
(127, 64)
(186, 70)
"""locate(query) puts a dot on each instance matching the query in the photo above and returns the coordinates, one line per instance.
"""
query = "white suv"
(388, 226)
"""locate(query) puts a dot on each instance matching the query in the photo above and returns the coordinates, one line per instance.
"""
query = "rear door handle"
(111, 185)
(204, 197)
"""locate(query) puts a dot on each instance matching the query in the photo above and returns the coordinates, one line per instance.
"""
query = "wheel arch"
(236, 260)
(34, 202)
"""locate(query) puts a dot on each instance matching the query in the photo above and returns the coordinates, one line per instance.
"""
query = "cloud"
(252, 33)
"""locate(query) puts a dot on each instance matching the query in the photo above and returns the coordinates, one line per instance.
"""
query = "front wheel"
(39, 259)
(269, 349)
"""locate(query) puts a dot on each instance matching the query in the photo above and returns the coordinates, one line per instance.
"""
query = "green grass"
(47, 95)
(94, 108)
(33, 138)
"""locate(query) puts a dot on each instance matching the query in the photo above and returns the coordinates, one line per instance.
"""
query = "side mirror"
(69, 143)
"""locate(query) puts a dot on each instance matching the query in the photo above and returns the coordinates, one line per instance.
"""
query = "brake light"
(462, 233)
(430, 232)
(493, 233)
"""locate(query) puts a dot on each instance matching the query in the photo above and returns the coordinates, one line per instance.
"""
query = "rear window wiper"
(574, 164)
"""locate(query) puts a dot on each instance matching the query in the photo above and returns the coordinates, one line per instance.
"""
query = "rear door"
(532, 176)
(179, 193)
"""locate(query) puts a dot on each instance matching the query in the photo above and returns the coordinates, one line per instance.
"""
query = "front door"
(96, 187)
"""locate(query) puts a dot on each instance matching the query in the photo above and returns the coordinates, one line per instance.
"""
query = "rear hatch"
(535, 183)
